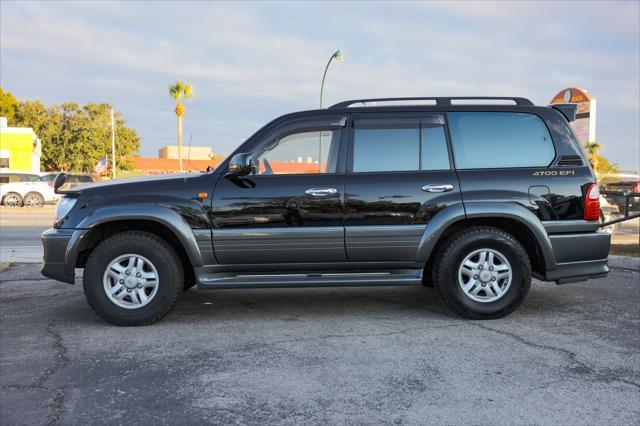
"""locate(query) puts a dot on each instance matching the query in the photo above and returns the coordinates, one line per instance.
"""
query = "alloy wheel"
(12, 200)
(131, 281)
(485, 275)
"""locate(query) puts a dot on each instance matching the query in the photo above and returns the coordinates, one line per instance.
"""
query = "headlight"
(64, 206)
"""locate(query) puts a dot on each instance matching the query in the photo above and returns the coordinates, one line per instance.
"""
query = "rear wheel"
(33, 199)
(133, 278)
(482, 273)
(12, 199)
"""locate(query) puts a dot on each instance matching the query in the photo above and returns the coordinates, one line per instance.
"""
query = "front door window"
(312, 152)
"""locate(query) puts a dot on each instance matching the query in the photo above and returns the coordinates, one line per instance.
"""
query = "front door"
(290, 209)
(399, 176)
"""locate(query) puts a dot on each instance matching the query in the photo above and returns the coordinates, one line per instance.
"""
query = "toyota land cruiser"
(472, 196)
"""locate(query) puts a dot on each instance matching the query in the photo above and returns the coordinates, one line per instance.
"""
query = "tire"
(12, 199)
(489, 302)
(157, 258)
(34, 200)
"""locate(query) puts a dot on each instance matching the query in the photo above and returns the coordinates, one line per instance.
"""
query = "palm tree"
(593, 149)
(178, 91)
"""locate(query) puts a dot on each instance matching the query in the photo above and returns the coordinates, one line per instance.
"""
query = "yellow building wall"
(20, 147)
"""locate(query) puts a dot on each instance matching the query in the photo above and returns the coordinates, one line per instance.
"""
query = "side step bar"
(404, 277)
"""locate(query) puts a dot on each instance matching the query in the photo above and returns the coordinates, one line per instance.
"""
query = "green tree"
(602, 166)
(593, 150)
(605, 167)
(74, 137)
(178, 91)
(8, 105)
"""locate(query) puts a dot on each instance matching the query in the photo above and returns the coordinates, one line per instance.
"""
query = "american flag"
(101, 166)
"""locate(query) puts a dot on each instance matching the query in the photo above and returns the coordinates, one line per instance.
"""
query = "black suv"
(472, 196)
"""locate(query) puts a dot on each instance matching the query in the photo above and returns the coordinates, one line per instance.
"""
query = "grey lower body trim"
(277, 245)
(580, 247)
(383, 242)
(205, 245)
(306, 267)
(408, 277)
(561, 226)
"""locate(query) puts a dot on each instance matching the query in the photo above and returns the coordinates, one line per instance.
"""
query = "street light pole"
(339, 56)
(113, 145)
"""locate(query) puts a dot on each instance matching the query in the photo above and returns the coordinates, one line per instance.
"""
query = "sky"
(251, 62)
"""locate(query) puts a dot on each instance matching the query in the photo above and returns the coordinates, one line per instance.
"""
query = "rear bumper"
(579, 256)
(56, 244)
(567, 273)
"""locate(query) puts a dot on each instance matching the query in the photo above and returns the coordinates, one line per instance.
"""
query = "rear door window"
(399, 145)
(487, 140)
(386, 150)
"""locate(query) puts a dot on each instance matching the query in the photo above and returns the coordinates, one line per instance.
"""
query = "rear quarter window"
(487, 140)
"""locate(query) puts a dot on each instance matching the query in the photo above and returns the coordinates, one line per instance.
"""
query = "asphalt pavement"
(386, 355)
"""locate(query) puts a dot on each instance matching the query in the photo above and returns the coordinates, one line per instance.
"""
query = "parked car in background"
(28, 194)
(72, 179)
(34, 190)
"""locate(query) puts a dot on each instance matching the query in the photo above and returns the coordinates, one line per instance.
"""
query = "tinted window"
(434, 149)
(396, 147)
(499, 139)
(304, 152)
(382, 150)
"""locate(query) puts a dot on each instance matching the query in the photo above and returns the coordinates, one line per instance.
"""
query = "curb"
(626, 262)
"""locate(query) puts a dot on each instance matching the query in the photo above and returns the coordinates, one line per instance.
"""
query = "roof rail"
(439, 100)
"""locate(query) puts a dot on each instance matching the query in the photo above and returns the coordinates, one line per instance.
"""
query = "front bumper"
(56, 244)
(579, 256)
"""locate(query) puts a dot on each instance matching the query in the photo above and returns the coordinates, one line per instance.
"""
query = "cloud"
(252, 61)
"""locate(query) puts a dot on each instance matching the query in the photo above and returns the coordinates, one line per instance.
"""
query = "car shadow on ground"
(293, 304)
(309, 304)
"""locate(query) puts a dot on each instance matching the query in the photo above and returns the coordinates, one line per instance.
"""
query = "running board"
(403, 277)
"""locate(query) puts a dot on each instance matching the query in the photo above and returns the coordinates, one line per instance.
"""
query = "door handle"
(321, 192)
(437, 188)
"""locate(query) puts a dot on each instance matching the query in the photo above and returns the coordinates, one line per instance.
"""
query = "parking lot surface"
(569, 355)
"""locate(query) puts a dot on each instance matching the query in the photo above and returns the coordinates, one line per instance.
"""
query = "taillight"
(50, 184)
(592, 203)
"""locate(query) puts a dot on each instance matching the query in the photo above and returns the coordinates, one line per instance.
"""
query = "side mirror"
(241, 165)
(60, 180)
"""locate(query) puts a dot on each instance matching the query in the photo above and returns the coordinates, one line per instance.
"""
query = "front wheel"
(12, 199)
(133, 278)
(482, 273)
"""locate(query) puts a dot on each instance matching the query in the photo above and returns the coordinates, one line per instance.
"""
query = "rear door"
(399, 176)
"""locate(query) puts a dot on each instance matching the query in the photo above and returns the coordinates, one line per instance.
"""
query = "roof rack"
(439, 100)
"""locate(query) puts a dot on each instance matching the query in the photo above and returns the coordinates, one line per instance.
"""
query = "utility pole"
(113, 145)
